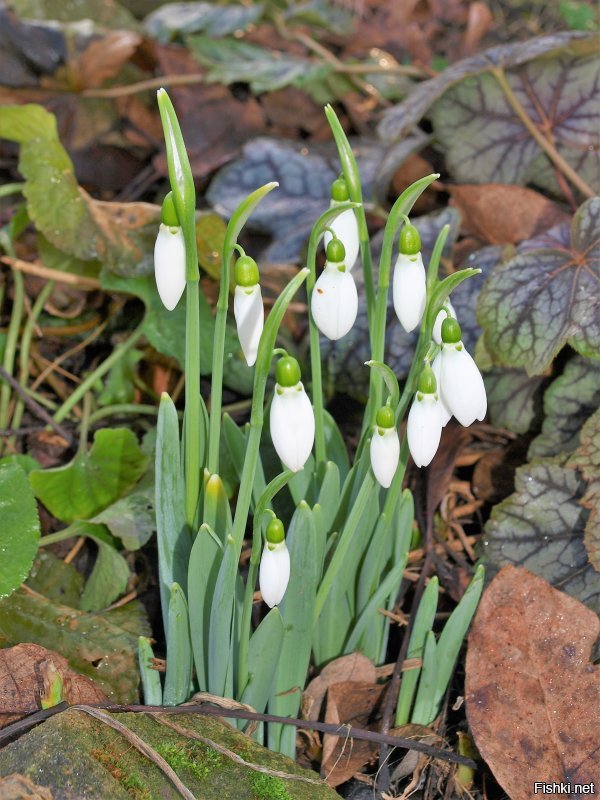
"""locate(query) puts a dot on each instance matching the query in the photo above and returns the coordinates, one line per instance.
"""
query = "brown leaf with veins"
(533, 696)
(353, 667)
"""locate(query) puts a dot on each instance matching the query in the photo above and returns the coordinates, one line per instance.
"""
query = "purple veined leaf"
(545, 298)
(511, 395)
(175, 19)
(587, 460)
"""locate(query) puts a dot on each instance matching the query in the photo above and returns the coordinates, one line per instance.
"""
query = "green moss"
(197, 758)
(111, 760)
(266, 787)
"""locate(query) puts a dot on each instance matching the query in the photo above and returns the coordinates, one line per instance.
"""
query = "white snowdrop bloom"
(169, 264)
(274, 574)
(345, 228)
(385, 447)
(248, 307)
(409, 290)
(461, 385)
(424, 428)
(447, 311)
(292, 420)
(445, 412)
(334, 300)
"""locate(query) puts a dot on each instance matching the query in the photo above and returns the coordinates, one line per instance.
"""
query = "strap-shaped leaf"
(237, 442)
(263, 658)
(205, 560)
(425, 706)
(150, 677)
(179, 650)
(221, 621)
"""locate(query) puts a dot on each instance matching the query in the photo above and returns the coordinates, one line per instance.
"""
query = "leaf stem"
(11, 344)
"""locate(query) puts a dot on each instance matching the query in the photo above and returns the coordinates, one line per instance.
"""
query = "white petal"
(385, 454)
(445, 412)
(346, 229)
(334, 302)
(250, 319)
(424, 428)
(437, 325)
(292, 424)
(274, 573)
(462, 385)
(410, 290)
(169, 265)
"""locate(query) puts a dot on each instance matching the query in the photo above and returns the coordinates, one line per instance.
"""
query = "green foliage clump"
(267, 787)
(196, 758)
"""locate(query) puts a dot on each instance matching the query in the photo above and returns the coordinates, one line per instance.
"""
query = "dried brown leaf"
(533, 695)
(353, 667)
(103, 58)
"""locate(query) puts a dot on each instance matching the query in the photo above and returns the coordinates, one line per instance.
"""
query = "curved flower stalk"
(248, 307)
(274, 574)
(385, 447)
(424, 426)
(292, 420)
(169, 256)
(446, 311)
(461, 384)
(410, 281)
(334, 300)
(344, 226)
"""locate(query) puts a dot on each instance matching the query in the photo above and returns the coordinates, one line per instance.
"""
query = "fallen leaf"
(532, 692)
(353, 667)
(103, 58)
(499, 213)
(22, 681)
(20, 787)
(479, 22)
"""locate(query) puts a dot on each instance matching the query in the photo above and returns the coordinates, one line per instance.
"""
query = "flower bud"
(248, 307)
(169, 257)
(334, 299)
(447, 311)
(461, 384)
(274, 574)
(410, 281)
(385, 447)
(424, 426)
(344, 225)
(292, 420)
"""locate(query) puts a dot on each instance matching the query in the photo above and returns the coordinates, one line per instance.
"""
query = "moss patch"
(267, 787)
(111, 759)
(192, 756)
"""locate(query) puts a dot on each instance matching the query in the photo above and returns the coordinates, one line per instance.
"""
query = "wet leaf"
(94, 480)
(105, 13)
(20, 529)
(131, 519)
(542, 299)
(568, 402)
(587, 460)
(110, 573)
(541, 527)
(532, 691)
(512, 396)
(174, 19)
(28, 50)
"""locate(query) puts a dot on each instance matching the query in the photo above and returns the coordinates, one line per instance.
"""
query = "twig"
(34, 407)
(31, 268)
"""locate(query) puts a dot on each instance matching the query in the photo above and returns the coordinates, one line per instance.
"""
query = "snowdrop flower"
(334, 299)
(248, 307)
(385, 447)
(344, 226)
(445, 412)
(274, 572)
(461, 384)
(292, 419)
(410, 281)
(169, 256)
(424, 426)
(446, 311)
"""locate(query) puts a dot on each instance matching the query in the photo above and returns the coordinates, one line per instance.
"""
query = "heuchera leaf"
(587, 459)
(542, 299)
(541, 527)
(20, 528)
(185, 18)
(511, 395)
(93, 480)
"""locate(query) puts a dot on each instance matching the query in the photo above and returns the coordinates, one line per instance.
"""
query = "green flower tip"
(427, 381)
(410, 241)
(246, 272)
(339, 190)
(168, 214)
(451, 333)
(336, 251)
(385, 417)
(287, 371)
(275, 531)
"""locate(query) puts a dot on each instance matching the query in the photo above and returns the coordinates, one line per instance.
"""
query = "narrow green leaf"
(216, 510)
(347, 159)
(150, 677)
(263, 658)
(443, 290)
(389, 378)
(240, 216)
(302, 484)
(221, 622)
(204, 564)
(425, 706)
(335, 446)
(454, 632)
(110, 574)
(178, 678)
(237, 442)
(422, 626)
(20, 528)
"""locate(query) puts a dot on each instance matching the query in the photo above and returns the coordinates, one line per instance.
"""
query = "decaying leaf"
(587, 459)
(353, 667)
(532, 693)
(25, 671)
(20, 787)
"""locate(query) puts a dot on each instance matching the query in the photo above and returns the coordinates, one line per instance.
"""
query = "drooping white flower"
(461, 384)
(447, 311)
(274, 574)
(445, 413)
(334, 299)
(424, 425)
(169, 264)
(385, 447)
(248, 307)
(292, 420)
(410, 281)
(345, 225)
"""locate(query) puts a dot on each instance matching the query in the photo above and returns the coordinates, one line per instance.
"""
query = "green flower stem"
(317, 232)
(191, 428)
(101, 370)
(122, 408)
(234, 227)
(11, 343)
(11, 188)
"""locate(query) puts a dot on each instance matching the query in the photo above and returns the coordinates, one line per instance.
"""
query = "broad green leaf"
(568, 402)
(511, 395)
(20, 528)
(541, 527)
(132, 519)
(172, 19)
(178, 678)
(425, 710)
(93, 480)
(26, 462)
(545, 298)
(110, 574)
(263, 659)
(151, 686)
(204, 564)
(587, 460)
(119, 384)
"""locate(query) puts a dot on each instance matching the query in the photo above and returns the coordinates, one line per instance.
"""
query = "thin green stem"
(59, 536)
(11, 188)
(101, 370)
(84, 427)
(11, 344)
(191, 428)
(122, 408)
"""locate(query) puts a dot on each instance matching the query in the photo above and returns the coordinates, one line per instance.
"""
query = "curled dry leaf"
(532, 693)
(353, 667)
